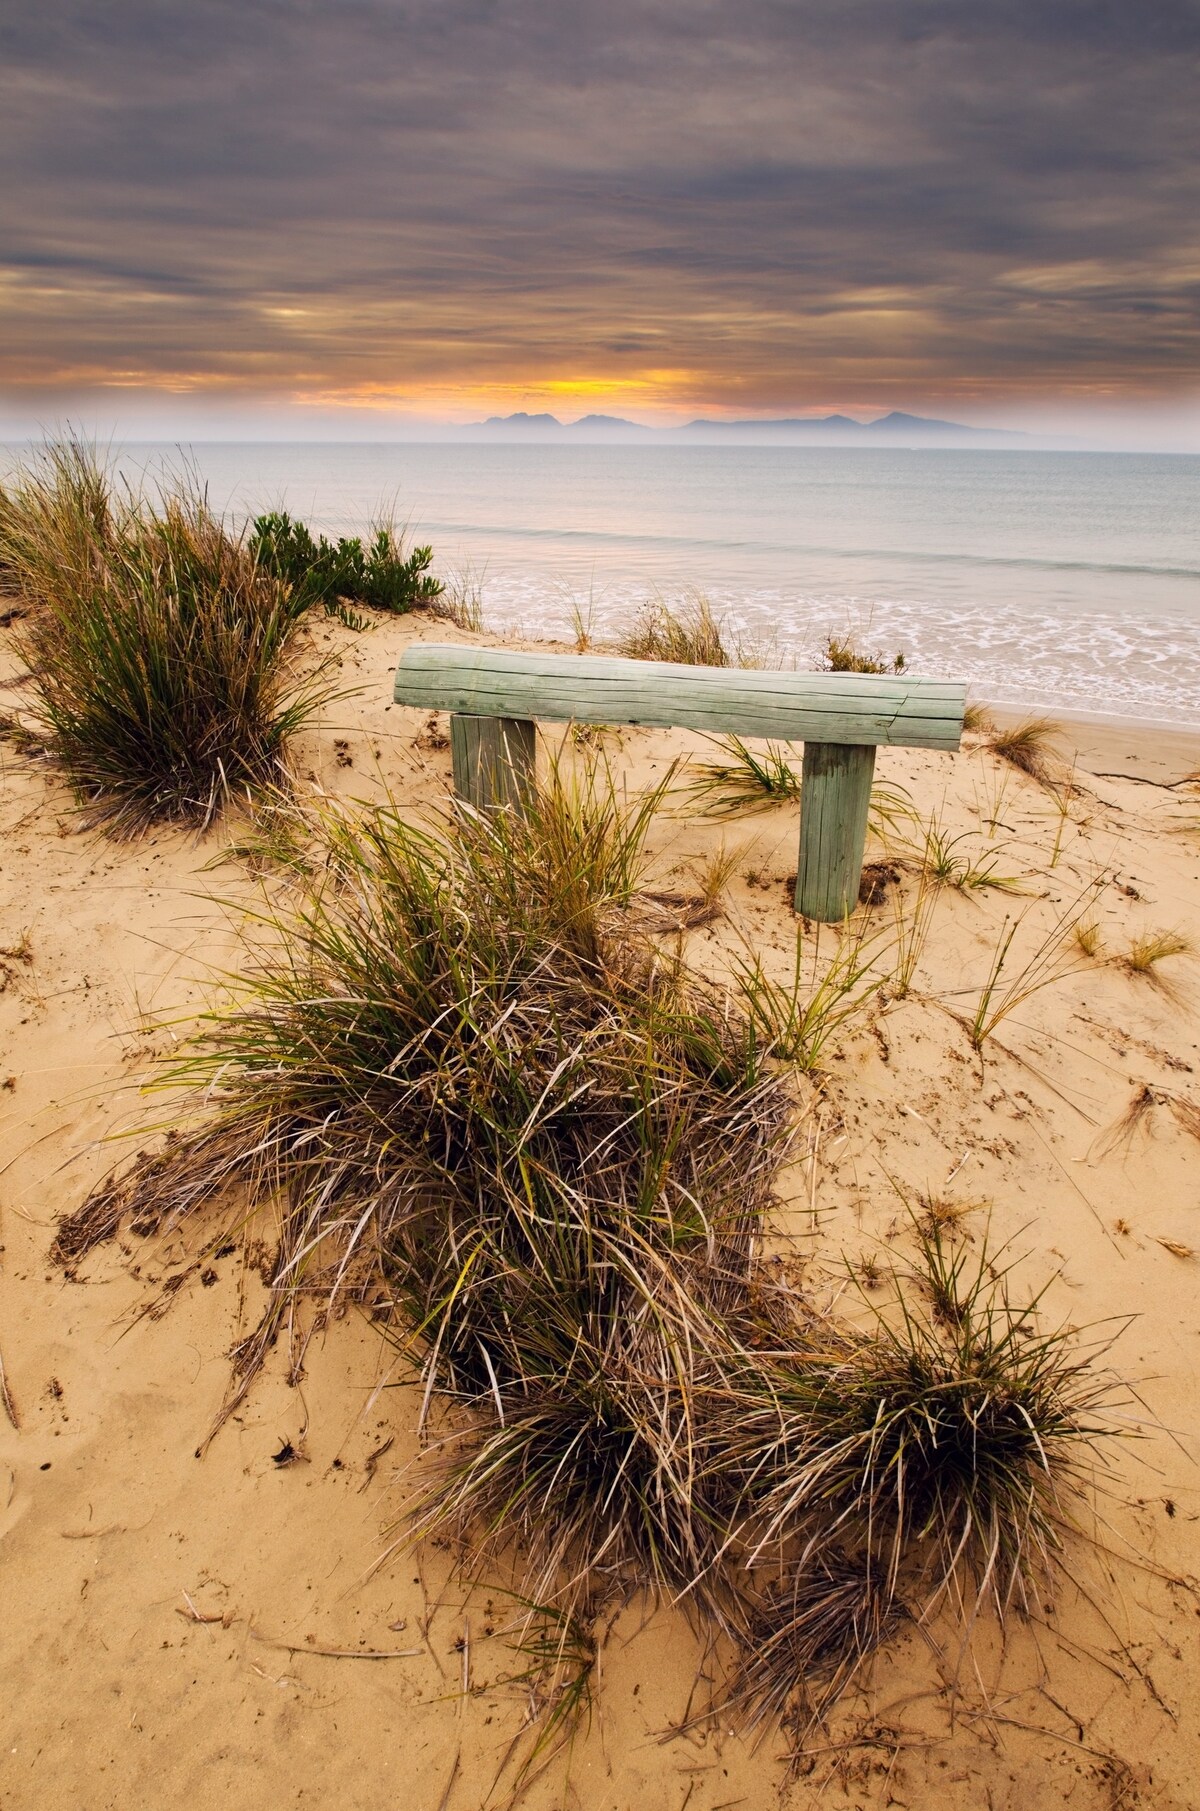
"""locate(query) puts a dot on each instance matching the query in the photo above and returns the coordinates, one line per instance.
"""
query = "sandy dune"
(167, 1620)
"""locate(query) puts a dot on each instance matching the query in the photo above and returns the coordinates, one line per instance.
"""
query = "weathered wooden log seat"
(496, 696)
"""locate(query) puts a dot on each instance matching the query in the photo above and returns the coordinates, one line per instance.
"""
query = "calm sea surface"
(1066, 580)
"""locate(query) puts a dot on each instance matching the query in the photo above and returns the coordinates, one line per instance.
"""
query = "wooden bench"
(496, 696)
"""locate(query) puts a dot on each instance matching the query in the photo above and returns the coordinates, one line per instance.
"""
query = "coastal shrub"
(841, 654)
(157, 652)
(333, 574)
(489, 1105)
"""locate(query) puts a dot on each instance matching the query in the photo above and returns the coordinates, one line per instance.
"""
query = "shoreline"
(1129, 747)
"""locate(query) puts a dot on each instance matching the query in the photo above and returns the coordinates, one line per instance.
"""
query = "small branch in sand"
(10, 1407)
(1140, 779)
(330, 1653)
(445, 1799)
(95, 1534)
(373, 1460)
(190, 1613)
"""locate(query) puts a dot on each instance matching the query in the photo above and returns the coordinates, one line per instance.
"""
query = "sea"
(1065, 581)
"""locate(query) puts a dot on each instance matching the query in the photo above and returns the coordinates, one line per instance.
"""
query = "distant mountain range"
(896, 428)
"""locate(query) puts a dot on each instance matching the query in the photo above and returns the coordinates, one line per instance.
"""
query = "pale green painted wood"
(835, 795)
(494, 760)
(858, 708)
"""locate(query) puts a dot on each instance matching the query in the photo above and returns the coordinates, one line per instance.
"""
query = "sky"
(324, 214)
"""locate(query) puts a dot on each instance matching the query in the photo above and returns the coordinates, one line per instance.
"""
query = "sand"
(180, 1630)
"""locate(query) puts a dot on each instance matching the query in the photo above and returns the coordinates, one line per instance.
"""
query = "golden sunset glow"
(624, 211)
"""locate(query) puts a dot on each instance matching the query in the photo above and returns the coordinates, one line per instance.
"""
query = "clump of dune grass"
(747, 781)
(942, 1215)
(1089, 938)
(485, 1103)
(841, 654)
(1032, 747)
(949, 864)
(158, 654)
(978, 719)
(474, 1088)
(1152, 947)
(1146, 1097)
(941, 1447)
(58, 523)
(795, 1020)
(712, 874)
(690, 634)
(812, 1631)
(460, 602)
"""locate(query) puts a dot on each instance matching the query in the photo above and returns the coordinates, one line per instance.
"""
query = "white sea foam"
(1057, 580)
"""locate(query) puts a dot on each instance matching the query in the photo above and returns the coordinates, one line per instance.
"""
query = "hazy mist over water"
(1057, 580)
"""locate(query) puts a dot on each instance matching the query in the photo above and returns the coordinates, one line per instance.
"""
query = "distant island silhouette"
(894, 428)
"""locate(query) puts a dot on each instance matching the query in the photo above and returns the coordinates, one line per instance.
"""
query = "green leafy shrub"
(335, 573)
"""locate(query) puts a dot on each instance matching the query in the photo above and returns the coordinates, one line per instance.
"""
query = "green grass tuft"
(690, 635)
(488, 1104)
(157, 652)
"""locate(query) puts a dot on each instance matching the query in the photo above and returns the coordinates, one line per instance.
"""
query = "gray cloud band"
(768, 195)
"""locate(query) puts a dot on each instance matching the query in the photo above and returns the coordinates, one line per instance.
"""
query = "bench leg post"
(494, 760)
(835, 794)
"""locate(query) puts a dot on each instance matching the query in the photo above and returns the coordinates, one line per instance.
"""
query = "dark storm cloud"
(774, 201)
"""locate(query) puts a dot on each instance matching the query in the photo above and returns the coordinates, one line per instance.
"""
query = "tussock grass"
(158, 653)
(795, 1021)
(547, 1145)
(1152, 947)
(941, 1215)
(813, 1629)
(461, 602)
(1146, 1097)
(712, 875)
(978, 720)
(489, 1107)
(947, 864)
(57, 524)
(1089, 938)
(941, 1446)
(1033, 747)
(690, 634)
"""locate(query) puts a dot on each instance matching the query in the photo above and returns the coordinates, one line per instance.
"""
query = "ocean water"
(1067, 581)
